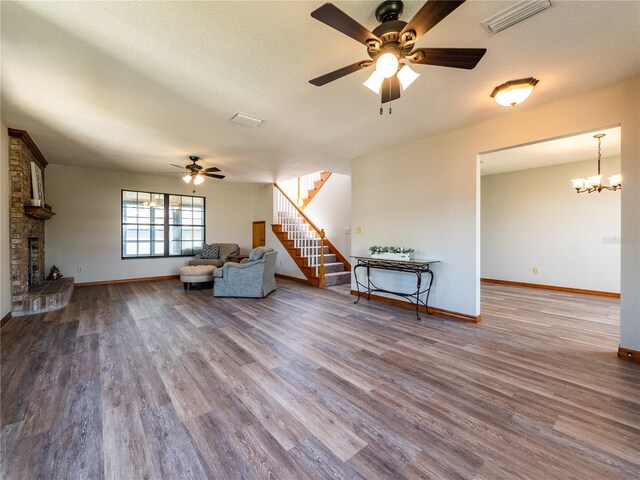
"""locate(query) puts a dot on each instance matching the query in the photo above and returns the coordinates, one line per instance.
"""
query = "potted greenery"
(391, 253)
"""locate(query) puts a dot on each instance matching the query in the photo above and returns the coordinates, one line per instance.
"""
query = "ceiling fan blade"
(341, 72)
(466, 58)
(390, 89)
(331, 15)
(431, 13)
(179, 166)
(214, 175)
(212, 169)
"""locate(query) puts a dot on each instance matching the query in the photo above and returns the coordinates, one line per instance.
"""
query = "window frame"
(166, 225)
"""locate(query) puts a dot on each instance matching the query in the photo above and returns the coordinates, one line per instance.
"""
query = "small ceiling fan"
(393, 42)
(195, 173)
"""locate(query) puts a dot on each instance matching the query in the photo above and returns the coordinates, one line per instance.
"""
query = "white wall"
(5, 194)
(86, 230)
(534, 218)
(431, 201)
(330, 209)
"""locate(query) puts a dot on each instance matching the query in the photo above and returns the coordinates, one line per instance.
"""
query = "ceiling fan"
(195, 173)
(393, 42)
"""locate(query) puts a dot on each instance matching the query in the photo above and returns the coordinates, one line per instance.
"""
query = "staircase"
(315, 183)
(303, 240)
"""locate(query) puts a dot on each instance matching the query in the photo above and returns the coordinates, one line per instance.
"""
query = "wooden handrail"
(340, 257)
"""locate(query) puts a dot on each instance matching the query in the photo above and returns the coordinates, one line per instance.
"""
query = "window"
(161, 225)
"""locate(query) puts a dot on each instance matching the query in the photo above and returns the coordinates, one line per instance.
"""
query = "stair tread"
(335, 274)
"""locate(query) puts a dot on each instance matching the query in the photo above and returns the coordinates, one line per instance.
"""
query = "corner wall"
(86, 230)
(330, 209)
(5, 241)
(534, 218)
(431, 200)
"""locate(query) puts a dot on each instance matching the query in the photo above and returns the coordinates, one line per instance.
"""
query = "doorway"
(259, 234)
(535, 229)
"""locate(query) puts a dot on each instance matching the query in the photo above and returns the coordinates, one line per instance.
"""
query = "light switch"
(358, 229)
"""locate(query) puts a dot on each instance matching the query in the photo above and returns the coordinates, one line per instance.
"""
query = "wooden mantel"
(24, 136)
(43, 213)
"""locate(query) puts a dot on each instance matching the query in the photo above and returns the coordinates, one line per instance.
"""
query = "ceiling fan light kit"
(406, 76)
(393, 41)
(594, 183)
(513, 92)
(374, 82)
(196, 173)
(387, 65)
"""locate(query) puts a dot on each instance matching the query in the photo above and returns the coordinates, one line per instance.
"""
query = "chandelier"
(594, 183)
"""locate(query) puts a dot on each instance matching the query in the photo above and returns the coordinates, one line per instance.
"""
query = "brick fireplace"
(27, 232)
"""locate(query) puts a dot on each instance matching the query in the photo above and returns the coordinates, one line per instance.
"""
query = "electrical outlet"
(79, 268)
(536, 270)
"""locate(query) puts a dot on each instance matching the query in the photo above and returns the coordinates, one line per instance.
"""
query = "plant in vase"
(391, 253)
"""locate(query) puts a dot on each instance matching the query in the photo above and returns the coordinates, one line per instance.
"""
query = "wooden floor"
(149, 381)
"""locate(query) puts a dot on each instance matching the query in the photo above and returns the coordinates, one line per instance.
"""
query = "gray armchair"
(254, 277)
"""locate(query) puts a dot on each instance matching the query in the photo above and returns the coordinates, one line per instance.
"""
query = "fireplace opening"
(34, 257)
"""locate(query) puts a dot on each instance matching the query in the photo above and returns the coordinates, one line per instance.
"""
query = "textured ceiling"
(552, 152)
(135, 86)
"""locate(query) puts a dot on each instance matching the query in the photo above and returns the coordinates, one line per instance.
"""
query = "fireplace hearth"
(29, 292)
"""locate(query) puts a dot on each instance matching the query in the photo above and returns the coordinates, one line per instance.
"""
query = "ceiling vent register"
(246, 120)
(515, 14)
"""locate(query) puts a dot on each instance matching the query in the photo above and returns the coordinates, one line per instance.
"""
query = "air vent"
(246, 120)
(515, 14)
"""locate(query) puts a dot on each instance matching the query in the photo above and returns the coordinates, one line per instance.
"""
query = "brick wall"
(21, 154)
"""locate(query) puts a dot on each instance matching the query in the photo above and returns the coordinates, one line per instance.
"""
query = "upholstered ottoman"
(196, 274)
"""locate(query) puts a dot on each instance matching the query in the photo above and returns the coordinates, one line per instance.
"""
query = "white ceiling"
(135, 86)
(552, 152)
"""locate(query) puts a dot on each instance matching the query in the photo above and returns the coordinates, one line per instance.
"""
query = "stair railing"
(307, 182)
(305, 234)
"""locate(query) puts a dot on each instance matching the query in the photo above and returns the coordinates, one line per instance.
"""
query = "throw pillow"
(256, 254)
(210, 251)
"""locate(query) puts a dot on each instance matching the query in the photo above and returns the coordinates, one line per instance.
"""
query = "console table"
(416, 267)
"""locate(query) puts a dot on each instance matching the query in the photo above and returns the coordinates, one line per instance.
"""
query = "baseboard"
(5, 319)
(551, 287)
(628, 354)
(438, 311)
(294, 279)
(127, 280)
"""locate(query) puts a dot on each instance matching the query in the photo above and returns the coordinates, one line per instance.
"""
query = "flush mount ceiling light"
(513, 92)
(594, 183)
(393, 41)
